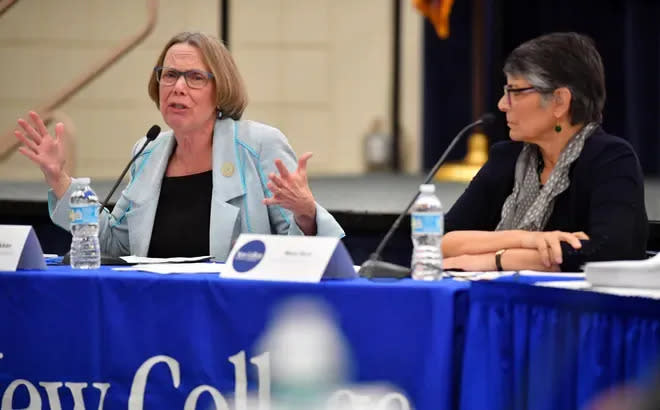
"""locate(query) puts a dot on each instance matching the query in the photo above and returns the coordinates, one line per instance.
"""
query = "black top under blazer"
(605, 199)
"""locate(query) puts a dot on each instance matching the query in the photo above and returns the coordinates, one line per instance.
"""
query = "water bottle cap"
(83, 181)
(427, 188)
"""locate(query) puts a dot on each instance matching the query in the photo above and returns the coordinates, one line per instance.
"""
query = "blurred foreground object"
(308, 353)
(310, 364)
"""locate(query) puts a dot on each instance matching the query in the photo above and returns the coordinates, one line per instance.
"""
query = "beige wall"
(317, 69)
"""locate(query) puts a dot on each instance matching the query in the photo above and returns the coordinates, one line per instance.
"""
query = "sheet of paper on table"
(145, 260)
(488, 275)
(533, 273)
(497, 274)
(167, 268)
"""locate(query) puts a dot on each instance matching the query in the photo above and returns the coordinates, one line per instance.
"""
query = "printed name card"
(288, 258)
(20, 248)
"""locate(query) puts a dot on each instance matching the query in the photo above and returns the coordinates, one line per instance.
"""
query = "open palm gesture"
(291, 191)
(44, 150)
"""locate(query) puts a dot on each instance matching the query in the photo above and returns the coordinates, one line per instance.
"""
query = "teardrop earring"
(219, 113)
(557, 128)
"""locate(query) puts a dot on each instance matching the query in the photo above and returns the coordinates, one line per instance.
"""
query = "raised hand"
(291, 191)
(45, 150)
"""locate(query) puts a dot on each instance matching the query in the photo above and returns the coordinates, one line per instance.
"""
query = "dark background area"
(626, 33)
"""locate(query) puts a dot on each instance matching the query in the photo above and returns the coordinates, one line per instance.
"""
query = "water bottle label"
(427, 222)
(84, 214)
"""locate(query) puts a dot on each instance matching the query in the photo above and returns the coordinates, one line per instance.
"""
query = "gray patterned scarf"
(529, 206)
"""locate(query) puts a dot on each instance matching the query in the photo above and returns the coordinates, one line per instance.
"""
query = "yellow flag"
(438, 12)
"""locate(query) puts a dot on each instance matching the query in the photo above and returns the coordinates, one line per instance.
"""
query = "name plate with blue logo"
(20, 248)
(288, 258)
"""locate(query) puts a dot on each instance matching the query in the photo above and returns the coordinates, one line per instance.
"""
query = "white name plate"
(20, 248)
(288, 258)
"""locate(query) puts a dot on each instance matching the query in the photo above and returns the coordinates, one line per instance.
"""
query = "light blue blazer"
(247, 147)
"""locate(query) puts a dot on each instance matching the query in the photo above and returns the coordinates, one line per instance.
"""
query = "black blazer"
(605, 199)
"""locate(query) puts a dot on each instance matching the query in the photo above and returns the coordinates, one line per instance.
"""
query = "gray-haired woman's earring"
(557, 128)
(219, 113)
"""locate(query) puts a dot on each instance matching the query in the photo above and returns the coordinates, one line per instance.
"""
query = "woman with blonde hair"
(211, 177)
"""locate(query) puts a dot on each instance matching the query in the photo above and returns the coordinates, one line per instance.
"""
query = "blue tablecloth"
(100, 326)
(531, 347)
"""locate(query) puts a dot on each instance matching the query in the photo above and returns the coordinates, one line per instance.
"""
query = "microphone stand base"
(380, 269)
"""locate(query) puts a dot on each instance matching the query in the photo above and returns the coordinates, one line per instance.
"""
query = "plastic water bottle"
(85, 249)
(427, 227)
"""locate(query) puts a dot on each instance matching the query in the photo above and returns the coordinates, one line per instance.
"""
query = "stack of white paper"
(632, 274)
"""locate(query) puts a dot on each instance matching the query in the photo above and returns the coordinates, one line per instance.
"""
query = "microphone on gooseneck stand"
(374, 267)
(151, 135)
(111, 260)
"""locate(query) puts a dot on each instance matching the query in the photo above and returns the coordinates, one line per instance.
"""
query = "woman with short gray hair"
(563, 191)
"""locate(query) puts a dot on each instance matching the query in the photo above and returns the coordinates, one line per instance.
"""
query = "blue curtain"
(447, 85)
(542, 348)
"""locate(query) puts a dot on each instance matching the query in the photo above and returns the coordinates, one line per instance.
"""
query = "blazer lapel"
(144, 192)
(227, 185)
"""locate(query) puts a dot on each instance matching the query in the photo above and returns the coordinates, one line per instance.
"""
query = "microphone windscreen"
(488, 118)
(153, 132)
